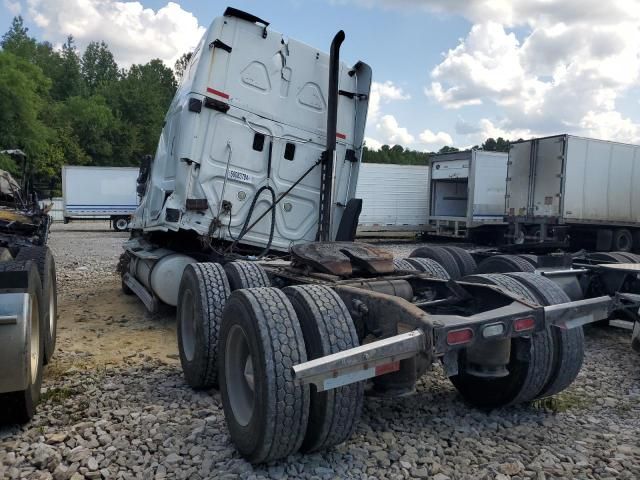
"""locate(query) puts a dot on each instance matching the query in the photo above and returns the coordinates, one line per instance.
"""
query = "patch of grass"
(57, 394)
(561, 402)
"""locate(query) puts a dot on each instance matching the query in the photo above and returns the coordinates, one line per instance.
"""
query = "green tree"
(447, 149)
(99, 68)
(141, 100)
(18, 41)
(181, 65)
(23, 89)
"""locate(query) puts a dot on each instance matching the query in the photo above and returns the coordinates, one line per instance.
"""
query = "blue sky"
(445, 71)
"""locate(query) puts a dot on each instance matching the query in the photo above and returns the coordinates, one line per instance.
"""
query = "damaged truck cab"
(28, 296)
(247, 227)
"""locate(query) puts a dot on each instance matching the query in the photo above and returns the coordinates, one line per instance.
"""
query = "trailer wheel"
(440, 255)
(403, 264)
(202, 295)
(243, 274)
(629, 257)
(120, 224)
(46, 266)
(327, 328)
(609, 257)
(504, 264)
(529, 365)
(430, 266)
(465, 261)
(568, 352)
(260, 340)
(622, 240)
(19, 407)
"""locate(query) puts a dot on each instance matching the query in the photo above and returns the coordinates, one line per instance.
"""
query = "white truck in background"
(100, 192)
(466, 194)
(394, 197)
(564, 190)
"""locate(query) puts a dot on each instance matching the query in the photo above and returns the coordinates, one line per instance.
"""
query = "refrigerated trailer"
(99, 192)
(567, 190)
(466, 192)
(394, 197)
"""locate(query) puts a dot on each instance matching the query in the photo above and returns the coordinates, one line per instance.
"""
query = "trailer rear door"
(518, 173)
(547, 182)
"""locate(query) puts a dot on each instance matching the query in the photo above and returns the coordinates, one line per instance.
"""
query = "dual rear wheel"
(236, 332)
(540, 364)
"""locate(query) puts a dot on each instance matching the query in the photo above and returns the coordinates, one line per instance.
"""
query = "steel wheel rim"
(35, 340)
(239, 375)
(121, 223)
(188, 325)
(52, 309)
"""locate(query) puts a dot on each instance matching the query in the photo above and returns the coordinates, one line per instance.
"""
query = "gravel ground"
(116, 406)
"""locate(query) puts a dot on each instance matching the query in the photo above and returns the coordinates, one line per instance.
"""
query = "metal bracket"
(217, 43)
(359, 363)
(143, 294)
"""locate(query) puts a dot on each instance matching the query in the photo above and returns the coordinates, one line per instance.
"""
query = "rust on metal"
(343, 258)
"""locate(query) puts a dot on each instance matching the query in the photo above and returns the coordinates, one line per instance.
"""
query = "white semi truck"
(91, 193)
(564, 190)
(246, 226)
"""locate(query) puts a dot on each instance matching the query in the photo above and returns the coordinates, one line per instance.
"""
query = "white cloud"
(576, 61)
(372, 143)
(383, 93)
(135, 34)
(435, 141)
(611, 126)
(548, 83)
(13, 6)
(391, 133)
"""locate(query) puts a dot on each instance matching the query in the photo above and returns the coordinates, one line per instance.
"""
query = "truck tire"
(440, 255)
(532, 259)
(504, 264)
(568, 351)
(203, 292)
(465, 261)
(19, 407)
(46, 266)
(622, 240)
(608, 257)
(529, 365)
(402, 264)
(243, 274)
(629, 257)
(260, 340)
(120, 224)
(430, 266)
(327, 328)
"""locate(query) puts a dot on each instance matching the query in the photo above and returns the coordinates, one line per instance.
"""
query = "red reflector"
(341, 136)
(524, 324)
(217, 92)
(457, 337)
(387, 368)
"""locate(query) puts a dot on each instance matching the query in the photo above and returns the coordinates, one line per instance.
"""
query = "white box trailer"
(99, 192)
(394, 197)
(566, 189)
(466, 191)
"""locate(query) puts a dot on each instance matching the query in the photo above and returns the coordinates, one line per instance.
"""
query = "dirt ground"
(98, 325)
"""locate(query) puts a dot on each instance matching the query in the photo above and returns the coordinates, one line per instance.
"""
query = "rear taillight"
(459, 337)
(523, 324)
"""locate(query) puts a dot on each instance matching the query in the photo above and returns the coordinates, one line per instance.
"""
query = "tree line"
(66, 107)
(63, 107)
(404, 156)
